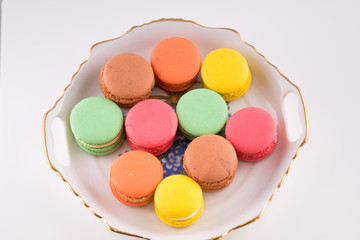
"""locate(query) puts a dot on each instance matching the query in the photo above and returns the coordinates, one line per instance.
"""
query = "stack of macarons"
(217, 142)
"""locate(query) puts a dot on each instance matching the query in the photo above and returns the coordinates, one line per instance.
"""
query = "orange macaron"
(176, 63)
(134, 177)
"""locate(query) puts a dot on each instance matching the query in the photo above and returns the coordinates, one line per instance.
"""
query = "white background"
(316, 44)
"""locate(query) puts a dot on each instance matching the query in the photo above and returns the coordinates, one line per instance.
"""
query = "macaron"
(127, 79)
(201, 111)
(253, 133)
(97, 125)
(226, 71)
(151, 126)
(134, 177)
(211, 161)
(176, 63)
(178, 201)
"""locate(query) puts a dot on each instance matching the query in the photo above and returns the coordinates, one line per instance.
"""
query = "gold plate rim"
(193, 22)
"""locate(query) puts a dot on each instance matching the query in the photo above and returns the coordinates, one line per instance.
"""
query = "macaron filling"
(102, 149)
(215, 186)
(180, 223)
(188, 217)
(211, 186)
(134, 200)
(176, 87)
(117, 138)
(259, 155)
(155, 150)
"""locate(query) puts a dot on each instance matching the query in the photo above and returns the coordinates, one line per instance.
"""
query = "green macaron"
(201, 111)
(97, 125)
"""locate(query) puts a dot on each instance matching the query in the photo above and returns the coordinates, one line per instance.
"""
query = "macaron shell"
(127, 78)
(251, 131)
(236, 94)
(211, 161)
(151, 124)
(178, 197)
(226, 71)
(135, 174)
(201, 111)
(175, 87)
(176, 61)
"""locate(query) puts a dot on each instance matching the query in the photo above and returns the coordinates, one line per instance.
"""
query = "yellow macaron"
(178, 201)
(226, 72)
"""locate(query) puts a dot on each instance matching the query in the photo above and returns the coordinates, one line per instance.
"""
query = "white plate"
(255, 184)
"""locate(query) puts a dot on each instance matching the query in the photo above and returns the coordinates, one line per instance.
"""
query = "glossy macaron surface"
(134, 177)
(201, 111)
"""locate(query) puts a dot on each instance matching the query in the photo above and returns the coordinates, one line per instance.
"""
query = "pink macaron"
(151, 126)
(253, 133)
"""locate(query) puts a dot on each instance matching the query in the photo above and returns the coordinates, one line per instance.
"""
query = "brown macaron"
(127, 79)
(211, 161)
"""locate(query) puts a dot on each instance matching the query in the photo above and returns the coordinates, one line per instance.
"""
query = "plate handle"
(295, 115)
(56, 137)
(60, 141)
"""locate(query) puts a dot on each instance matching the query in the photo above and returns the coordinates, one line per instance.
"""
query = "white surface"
(254, 183)
(316, 45)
